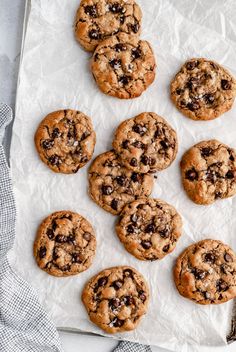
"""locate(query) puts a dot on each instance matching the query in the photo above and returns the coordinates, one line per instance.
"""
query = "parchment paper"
(55, 75)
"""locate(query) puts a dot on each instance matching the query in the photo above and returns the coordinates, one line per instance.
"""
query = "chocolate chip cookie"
(206, 272)
(209, 172)
(97, 20)
(123, 66)
(112, 186)
(65, 244)
(65, 140)
(116, 299)
(203, 90)
(149, 228)
(146, 143)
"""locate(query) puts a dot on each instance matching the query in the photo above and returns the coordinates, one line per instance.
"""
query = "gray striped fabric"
(24, 326)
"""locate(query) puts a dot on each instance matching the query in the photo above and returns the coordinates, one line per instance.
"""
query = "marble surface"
(11, 24)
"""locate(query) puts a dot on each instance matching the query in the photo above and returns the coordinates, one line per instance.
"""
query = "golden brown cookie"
(203, 90)
(149, 228)
(65, 244)
(205, 272)
(116, 299)
(123, 66)
(146, 143)
(65, 140)
(97, 20)
(112, 186)
(209, 172)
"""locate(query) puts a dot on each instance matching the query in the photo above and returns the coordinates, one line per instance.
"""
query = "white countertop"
(11, 20)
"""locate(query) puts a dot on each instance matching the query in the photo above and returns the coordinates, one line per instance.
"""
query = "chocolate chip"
(55, 255)
(120, 47)
(114, 303)
(94, 34)
(136, 53)
(125, 144)
(124, 80)
(133, 162)
(107, 190)
(47, 144)
(179, 91)
(164, 144)
(166, 248)
(116, 8)
(84, 135)
(54, 225)
(102, 281)
(76, 258)
(231, 157)
(138, 144)
(117, 323)
(228, 258)
(135, 27)
(128, 273)
(164, 233)
(61, 239)
(54, 160)
(115, 63)
(130, 228)
(146, 244)
(191, 65)
(191, 175)
(206, 151)
(66, 267)
(117, 284)
(199, 274)
(121, 180)
(42, 252)
(218, 195)
(209, 98)
(193, 106)
(71, 239)
(157, 132)
(128, 300)
(142, 295)
(225, 84)
(56, 133)
(207, 295)
(114, 204)
(221, 285)
(192, 83)
(139, 129)
(210, 258)
(150, 228)
(50, 234)
(91, 11)
(135, 177)
(122, 19)
(145, 159)
(230, 175)
(87, 236)
(134, 218)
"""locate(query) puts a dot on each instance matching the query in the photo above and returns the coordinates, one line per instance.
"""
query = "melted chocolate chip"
(47, 143)
(135, 177)
(193, 106)
(61, 239)
(124, 80)
(179, 91)
(225, 84)
(166, 248)
(230, 175)
(91, 11)
(117, 284)
(114, 204)
(94, 34)
(135, 27)
(164, 144)
(206, 151)
(142, 295)
(191, 175)
(107, 190)
(42, 252)
(228, 258)
(150, 228)
(221, 285)
(102, 281)
(50, 234)
(76, 258)
(134, 218)
(115, 63)
(191, 65)
(116, 8)
(114, 303)
(54, 160)
(133, 162)
(210, 258)
(138, 144)
(87, 236)
(136, 53)
(209, 98)
(121, 180)
(130, 228)
(71, 239)
(164, 233)
(139, 129)
(145, 159)
(146, 244)
(117, 323)
(128, 273)
(56, 133)
(66, 267)
(207, 295)
(125, 144)
(120, 47)
(199, 274)
(128, 300)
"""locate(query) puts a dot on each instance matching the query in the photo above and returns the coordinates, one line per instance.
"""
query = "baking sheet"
(54, 74)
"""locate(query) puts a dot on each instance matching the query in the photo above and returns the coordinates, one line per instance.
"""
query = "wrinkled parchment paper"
(55, 75)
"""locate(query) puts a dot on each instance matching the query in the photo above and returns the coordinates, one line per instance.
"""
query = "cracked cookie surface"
(123, 66)
(65, 244)
(65, 140)
(97, 20)
(203, 90)
(149, 228)
(146, 143)
(112, 186)
(116, 299)
(206, 272)
(209, 172)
